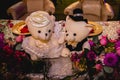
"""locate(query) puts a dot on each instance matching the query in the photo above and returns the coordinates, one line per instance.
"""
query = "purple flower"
(117, 47)
(91, 43)
(91, 55)
(1, 40)
(118, 51)
(110, 59)
(76, 57)
(117, 44)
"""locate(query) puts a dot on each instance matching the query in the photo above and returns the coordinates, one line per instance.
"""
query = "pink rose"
(118, 31)
(19, 38)
(118, 51)
(103, 40)
(113, 40)
(98, 67)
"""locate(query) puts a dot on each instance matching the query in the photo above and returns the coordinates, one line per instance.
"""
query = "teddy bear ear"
(67, 18)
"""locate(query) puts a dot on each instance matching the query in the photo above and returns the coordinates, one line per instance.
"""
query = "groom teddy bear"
(76, 32)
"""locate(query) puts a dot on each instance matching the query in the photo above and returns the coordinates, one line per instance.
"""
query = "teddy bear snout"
(67, 34)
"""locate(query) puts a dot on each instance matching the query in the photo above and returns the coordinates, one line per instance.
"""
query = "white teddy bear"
(76, 31)
(44, 43)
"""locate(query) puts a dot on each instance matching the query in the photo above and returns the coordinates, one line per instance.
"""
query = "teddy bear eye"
(39, 31)
(66, 31)
(49, 31)
(74, 34)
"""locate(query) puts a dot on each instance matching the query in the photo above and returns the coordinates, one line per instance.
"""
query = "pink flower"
(19, 54)
(98, 67)
(19, 38)
(118, 31)
(113, 40)
(10, 25)
(8, 49)
(103, 40)
(118, 51)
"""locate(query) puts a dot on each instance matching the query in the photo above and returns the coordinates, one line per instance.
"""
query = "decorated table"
(103, 60)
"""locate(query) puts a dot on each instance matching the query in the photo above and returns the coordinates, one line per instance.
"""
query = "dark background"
(60, 5)
(4, 5)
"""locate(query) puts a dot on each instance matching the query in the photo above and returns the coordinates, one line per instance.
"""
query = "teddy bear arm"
(65, 52)
(61, 39)
(71, 7)
(28, 48)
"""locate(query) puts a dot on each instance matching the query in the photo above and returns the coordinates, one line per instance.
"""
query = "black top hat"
(77, 15)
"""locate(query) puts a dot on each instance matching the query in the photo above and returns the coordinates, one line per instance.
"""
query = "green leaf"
(67, 78)
(95, 39)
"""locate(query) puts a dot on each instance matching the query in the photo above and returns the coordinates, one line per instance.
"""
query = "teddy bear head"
(76, 27)
(40, 25)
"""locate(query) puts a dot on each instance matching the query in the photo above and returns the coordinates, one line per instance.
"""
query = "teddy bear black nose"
(46, 34)
(66, 34)
(39, 31)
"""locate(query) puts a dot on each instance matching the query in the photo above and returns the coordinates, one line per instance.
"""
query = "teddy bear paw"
(34, 57)
(65, 52)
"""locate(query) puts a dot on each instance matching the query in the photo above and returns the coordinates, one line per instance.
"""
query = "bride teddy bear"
(44, 42)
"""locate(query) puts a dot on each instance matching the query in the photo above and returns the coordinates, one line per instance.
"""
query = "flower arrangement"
(101, 62)
(15, 63)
